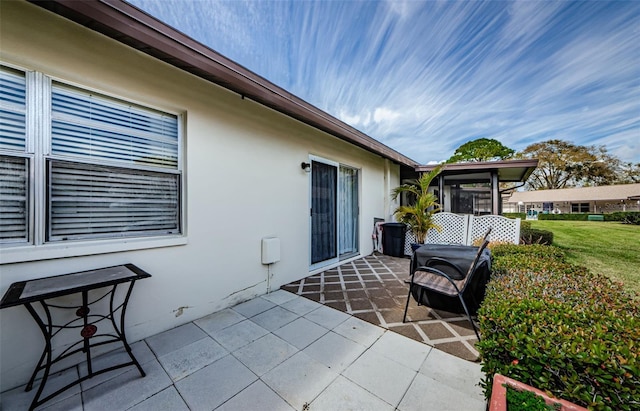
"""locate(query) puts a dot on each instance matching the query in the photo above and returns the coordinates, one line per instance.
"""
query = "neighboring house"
(475, 187)
(602, 199)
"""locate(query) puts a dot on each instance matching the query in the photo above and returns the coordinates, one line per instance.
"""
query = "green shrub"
(535, 236)
(632, 219)
(524, 255)
(626, 217)
(556, 326)
(525, 224)
(526, 401)
(571, 217)
(521, 216)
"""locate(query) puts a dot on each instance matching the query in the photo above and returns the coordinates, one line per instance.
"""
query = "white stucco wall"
(242, 176)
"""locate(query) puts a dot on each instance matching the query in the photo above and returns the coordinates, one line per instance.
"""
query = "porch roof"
(129, 25)
(508, 170)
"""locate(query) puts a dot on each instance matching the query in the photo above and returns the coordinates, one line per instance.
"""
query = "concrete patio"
(275, 352)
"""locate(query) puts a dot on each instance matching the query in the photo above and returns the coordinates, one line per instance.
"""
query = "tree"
(629, 173)
(482, 149)
(563, 164)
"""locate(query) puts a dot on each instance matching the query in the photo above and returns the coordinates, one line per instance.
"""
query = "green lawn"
(609, 248)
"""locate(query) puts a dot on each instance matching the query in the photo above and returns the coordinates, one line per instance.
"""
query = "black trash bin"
(393, 239)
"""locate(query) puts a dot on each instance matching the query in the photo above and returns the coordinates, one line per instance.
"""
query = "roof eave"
(129, 25)
(527, 167)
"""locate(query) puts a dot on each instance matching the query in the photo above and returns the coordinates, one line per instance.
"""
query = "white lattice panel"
(408, 239)
(502, 229)
(453, 229)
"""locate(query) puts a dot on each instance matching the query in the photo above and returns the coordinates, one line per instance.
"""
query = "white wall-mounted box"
(270, 250)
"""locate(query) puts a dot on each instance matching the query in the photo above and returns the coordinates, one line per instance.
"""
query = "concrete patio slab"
(300, 305)
(402, 350)
(175, 338)
(327, 317)
(19, 399)
(274, 318)
(239, 335)
(387, 379)
(140, 350)
(127, 389)
(445, 368)
(166, 400)
(335, 351)
(213, 385)
(344, 395)
(301, 332)
(323, 360)
(359, 331)
(254, 307)
(220, 320)
(264, 354)
(299, 379)
(439, 396)
(256, 396)
(190, 358)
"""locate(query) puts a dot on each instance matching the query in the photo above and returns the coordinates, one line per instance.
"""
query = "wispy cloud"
(425, 77)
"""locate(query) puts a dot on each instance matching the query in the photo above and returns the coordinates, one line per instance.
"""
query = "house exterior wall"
(242, 181)
(566, 207)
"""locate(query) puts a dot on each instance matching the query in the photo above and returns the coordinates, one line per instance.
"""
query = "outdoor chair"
(440, 276)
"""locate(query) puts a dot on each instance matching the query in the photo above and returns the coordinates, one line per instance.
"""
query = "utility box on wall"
(270, 250)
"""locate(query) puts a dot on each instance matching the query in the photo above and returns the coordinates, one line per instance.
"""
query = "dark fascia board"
(508, 170)
(127, 24)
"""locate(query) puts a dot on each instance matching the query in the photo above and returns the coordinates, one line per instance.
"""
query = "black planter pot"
(415, 246)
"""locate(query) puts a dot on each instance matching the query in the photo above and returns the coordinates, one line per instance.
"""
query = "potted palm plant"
(419, 214)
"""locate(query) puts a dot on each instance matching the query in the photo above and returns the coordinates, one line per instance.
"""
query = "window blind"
(12, 110)
(13, 199)
(90, 126)
(93, 201)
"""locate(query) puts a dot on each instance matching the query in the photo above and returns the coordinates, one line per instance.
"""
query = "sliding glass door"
(333, 212)
(324, 218)
(348, 212)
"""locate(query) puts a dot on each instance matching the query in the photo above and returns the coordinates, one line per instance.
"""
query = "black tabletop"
(55, 286)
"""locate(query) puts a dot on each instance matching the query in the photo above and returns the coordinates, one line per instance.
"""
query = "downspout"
(387, 190)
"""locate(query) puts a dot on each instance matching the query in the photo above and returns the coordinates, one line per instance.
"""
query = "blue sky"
(424, 77)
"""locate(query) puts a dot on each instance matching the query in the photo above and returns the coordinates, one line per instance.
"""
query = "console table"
(95, 329)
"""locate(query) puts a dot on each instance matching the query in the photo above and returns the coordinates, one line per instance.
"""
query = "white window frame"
(38, 152)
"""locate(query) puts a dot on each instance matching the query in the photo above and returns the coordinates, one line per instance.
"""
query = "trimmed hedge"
(570, 217)
(632, 219)
(624, 216)
(616, 216)
(535, 236)
(627, 217)
(558, 327)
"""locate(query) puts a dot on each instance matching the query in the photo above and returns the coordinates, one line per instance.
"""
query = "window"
(14, 160)
(579, 207)
(102, 168)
